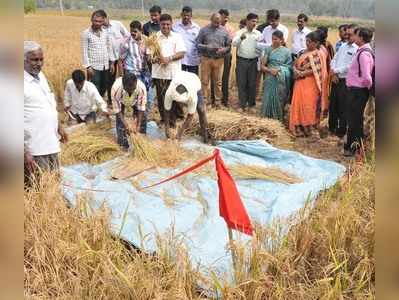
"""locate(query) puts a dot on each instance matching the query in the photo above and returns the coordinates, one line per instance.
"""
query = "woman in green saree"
(276, 62)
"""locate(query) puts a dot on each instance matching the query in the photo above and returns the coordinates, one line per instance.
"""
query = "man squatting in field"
(81, 99)
(185, 88)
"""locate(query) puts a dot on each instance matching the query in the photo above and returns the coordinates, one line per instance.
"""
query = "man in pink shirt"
(359, 82)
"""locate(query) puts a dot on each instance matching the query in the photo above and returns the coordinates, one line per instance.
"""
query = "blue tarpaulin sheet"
(138, 216)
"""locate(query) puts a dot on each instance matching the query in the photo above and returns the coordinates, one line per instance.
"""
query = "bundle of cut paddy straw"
(263, 173)
(227, 125)
(143, 149)
(152, 44)
(160, 153)
(89, 147)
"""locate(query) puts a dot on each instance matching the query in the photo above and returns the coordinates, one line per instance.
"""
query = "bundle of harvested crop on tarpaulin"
(161, 153)
(241, 171)
(91, 145)
(263, 173)
(226, 125)
(152, 44)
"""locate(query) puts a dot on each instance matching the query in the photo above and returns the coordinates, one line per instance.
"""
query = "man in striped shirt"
(133, 59)
(97, 52)
(129, 95)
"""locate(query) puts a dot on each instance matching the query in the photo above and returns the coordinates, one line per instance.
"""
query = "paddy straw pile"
(263, 173)
(92, 145)
(226, 125)
(152, 44)
(161, 153)
(250, 172)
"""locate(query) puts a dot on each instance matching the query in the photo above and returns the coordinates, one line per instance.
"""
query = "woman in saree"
(276, 63)
(308, 88)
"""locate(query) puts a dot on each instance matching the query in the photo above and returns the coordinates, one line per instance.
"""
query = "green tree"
(29, 6)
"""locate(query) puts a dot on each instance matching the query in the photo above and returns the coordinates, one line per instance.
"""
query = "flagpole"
(233, 254)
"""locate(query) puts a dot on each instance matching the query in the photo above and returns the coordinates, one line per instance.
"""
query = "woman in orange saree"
(308, 88)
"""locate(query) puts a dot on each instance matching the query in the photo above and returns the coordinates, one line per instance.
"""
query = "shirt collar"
(30, 78)
(91, 29)
(365, 46)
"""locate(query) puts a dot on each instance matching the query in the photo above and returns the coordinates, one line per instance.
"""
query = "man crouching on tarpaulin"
(186, 88)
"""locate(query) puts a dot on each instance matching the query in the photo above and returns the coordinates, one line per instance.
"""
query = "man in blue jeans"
(133, 59)
(185, 88)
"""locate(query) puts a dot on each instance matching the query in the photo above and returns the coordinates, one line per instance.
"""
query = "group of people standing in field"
(193, 67)
(311, 75)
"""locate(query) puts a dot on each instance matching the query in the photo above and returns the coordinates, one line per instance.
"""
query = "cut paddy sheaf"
(225, 125)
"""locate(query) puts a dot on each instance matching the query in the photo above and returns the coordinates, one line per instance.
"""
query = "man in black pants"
(338, 99)
(97, 52)
(359, 82)
(247, 63)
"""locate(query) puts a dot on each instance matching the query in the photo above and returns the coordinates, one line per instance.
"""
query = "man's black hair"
(135, 25)
(365, 33)
(128, 79)
(352, 25)
(342, 26)
(252, 16)
(224, 12)
(273, 14)
(99, 13)
(156, 9)
(78, 76)
(181, 89)
(303, 16)
(166, 17)
(187, 9)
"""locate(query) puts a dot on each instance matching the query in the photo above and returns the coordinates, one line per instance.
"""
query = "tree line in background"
(342, 8)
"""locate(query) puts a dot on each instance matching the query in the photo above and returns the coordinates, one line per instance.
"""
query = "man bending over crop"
(129, 94)
(185, 88)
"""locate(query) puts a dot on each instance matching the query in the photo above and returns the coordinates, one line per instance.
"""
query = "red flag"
(231, 207)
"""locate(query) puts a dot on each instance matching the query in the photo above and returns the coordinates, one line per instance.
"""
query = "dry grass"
(70, 254)
(329, 254)
(228, 125)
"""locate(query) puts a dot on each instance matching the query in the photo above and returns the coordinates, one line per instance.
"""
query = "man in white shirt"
(299, 36)
(42, 130)
(168, 65)
(273, 17)
(189, 31)
(185, 88)
(129, 96)
(81, 99)
(245, 40)
(339, 94)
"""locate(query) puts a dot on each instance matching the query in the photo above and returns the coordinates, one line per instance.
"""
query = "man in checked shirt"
(98, 54)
